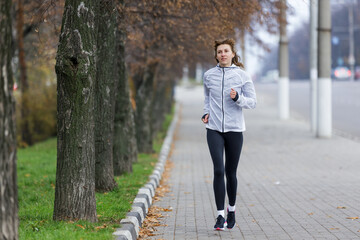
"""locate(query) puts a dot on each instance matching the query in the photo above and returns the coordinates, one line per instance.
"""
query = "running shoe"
(230, 219)
(220, 223)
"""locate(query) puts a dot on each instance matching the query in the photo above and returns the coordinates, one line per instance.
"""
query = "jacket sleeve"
(206, 94)
(247, 97)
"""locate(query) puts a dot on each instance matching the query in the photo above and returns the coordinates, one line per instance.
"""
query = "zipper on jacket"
(222, 100)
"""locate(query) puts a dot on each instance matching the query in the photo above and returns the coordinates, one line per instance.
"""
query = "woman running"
(228, 90)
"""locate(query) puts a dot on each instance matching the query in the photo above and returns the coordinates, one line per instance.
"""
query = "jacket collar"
(225, 68)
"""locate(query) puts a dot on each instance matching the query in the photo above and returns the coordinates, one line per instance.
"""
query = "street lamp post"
(324, 126)
(351, 42)
(283, 82)
(313, 62)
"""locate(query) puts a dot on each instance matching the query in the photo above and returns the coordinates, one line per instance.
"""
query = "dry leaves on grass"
(80, 226)
(101, 227)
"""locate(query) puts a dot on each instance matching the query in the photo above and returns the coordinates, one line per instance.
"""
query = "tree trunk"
(160, 103)
(8, 186)
(163, 98)
(24, 85)
(144, 96)
(104, 95)
(125, 148)
(76, 75)
(192, 70)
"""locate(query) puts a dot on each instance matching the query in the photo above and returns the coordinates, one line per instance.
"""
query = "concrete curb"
(132, 223)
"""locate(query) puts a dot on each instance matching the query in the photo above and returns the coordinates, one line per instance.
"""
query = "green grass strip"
(36, 187)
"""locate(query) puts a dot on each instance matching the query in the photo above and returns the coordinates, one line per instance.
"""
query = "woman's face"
(224, 55)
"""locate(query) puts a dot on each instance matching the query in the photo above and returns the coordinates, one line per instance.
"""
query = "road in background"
(345, 105)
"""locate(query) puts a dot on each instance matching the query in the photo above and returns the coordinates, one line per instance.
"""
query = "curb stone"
(142, 202)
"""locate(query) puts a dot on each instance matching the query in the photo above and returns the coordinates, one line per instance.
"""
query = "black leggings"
(232, 142)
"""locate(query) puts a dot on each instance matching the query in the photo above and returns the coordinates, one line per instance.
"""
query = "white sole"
(221, 229)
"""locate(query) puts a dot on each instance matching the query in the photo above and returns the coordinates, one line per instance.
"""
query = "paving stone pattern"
(291, 185)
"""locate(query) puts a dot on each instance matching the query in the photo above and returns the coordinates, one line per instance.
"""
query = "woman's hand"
(233, 93)
(205, 118)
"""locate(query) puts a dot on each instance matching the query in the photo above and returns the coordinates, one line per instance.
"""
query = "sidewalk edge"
(132, 223)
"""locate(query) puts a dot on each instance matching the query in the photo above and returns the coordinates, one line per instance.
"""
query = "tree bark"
(76, 73)
(24, 85)
(8, 181)
(163, 98)
(105, 96)
(125, 146)
(144, 96)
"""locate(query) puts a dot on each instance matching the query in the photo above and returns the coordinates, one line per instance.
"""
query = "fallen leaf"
(27, 175)
(340, 207)
(154, 216)
(311, 213)
(80, 226)
(352, 218)
(334, 228)
(101, 227)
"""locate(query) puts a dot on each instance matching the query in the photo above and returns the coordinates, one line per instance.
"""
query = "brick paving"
(291, 185)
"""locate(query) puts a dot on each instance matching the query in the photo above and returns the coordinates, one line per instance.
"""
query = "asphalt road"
(345, 104)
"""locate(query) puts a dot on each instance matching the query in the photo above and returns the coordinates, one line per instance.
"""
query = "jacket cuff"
(236, 97)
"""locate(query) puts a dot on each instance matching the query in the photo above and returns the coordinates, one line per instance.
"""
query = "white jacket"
(225, 114)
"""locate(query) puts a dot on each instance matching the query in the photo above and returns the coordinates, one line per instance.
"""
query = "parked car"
(342, 73)
(357, 72)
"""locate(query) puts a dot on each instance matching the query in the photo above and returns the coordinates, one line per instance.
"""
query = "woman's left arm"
(247, 98)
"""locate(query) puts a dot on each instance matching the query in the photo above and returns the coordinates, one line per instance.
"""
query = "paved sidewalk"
(290, 184)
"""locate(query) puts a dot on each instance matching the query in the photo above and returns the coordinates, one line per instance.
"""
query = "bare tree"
(125, 145)
(76, 75)
(8, 184)
(105, 95)
(24, 85)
